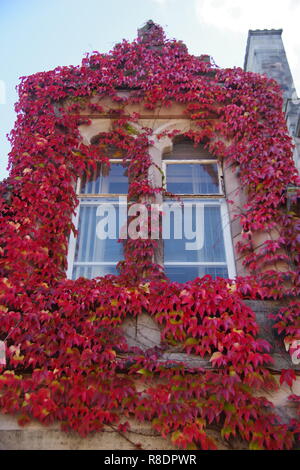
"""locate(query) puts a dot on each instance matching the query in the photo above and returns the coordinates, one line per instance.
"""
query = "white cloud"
(160, 2)
(238, 16)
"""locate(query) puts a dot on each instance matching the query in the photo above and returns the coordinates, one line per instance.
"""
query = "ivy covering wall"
(67, 357)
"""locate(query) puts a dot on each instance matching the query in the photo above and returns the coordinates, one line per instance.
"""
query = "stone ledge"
(35, 436)
(262, 310)
(144, 333)
(38, 437)
(52, 439)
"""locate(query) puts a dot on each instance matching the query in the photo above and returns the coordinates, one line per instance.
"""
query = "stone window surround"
(157, 150)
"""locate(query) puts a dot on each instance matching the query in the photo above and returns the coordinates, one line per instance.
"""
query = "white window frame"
(75, 219)
(220, 199)
(198, 162)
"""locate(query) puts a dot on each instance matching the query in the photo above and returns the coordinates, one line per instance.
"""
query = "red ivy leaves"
(67, 357)
(287, 376)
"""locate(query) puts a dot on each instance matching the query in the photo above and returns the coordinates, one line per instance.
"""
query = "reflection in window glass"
(208, 255)
(96, 256)
(213, 249)
(90, 272)
(192, 178)
(89, 247)
(104, 180)
(186, 273)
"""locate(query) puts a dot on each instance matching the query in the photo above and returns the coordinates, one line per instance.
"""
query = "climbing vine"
(67, 357)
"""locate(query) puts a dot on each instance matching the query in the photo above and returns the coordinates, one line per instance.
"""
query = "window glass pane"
(91, 245)
(90, 272)
(186, 149)
(188, 273)
(111, 181)
(192, 178)
(196, 232)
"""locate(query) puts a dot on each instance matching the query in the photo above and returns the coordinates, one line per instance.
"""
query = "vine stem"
(137, 446)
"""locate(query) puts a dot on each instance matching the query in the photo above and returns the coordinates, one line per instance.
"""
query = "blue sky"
(39, 35)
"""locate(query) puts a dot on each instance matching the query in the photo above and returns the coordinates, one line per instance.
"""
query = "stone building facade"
(264, 54)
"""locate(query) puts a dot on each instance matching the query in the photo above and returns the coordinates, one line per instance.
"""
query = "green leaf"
(131, 130)
(226, 431)
(175, 322)
(145, 372)
(255, 446)
(176, 435)
(192, 446)
(191, 341)
(229, 407)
